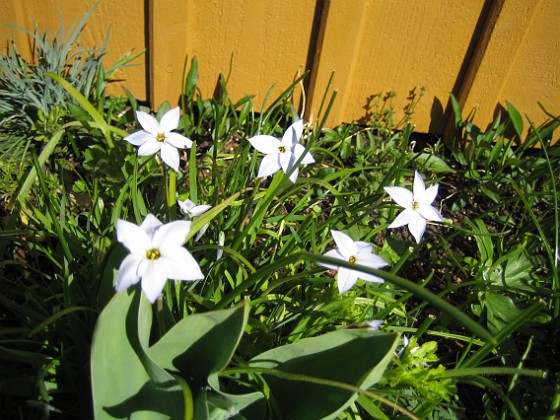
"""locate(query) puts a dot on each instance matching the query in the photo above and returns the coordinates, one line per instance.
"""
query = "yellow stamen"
(153, 254)
(282, 149)
(352, 259)
(160, 137)
(415, 205)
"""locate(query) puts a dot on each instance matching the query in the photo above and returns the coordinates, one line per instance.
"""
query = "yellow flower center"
(352, 259)
(160, 137)
(153, 254)
(415, 205)
(282, 149)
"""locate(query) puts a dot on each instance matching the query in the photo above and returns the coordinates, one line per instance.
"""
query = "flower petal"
(180, 265)
(170, 120)
(300, 150)
(198, 210)
(178, 140)
(292, 134)
(170, 155)
(294, 175)
(345, 279)
(265, 144)
(333, 253)
(186, 206)
(201, 232)
(150, 147)
(148, 123)
(429, 213)
(400, 195)
(150, 224)
(128, 272)
(363, 247)
(138, 138)
(345, 244)
(370, 260)
(369, 277)
(132, 237)
(171, 235)
(419, 188)
(402, 219)
(417, 226)
(154, 276)
(286, 160)
(429, 195)
(269, 165)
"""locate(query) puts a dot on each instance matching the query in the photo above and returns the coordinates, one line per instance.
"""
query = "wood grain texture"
(520, 65)
(256, 44)
(380, 46)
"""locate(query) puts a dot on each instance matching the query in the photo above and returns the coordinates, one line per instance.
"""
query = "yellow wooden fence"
(485, 52)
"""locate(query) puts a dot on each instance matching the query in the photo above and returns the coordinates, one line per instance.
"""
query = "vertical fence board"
(521, 63)
(170, 27)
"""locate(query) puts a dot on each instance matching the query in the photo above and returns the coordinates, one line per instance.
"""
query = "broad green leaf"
(512, 271)
(192, 80)
(491, 190)
(456, 110)
(305, 378)
(515, 118)
(483, 241)
(122, 387)
(501, 311)
(525, 315)
(496, 151)
(200, 346)
(434, 164)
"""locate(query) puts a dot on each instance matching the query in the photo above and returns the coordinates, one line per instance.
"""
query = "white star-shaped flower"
(360, 253)
(156, 254)
(158, 136)
(282, 154)
(190, 209)
(417, 206)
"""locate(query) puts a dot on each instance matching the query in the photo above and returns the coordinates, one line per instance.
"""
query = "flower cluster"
(417, 211)
(156, 249)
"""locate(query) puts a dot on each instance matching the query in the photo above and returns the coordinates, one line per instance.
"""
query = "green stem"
(555, 404)
(171, 194)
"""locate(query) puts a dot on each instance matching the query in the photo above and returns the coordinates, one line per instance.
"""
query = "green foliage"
(178, 375)
(33, 103)
(300, 384)
(413, 370)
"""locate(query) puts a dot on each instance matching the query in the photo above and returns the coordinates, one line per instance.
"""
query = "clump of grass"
(33, 103)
